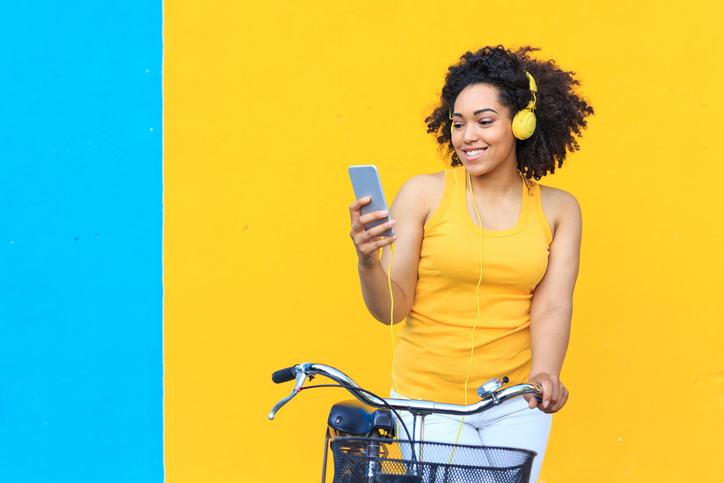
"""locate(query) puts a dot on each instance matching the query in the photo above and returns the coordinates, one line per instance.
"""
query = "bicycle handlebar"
(494, 394)
(283, 375)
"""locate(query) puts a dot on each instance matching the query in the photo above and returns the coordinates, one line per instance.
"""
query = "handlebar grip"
(284, 375)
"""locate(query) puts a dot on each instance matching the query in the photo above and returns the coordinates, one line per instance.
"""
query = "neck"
(502, 180)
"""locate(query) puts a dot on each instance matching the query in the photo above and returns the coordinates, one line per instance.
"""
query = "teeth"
(474, 153)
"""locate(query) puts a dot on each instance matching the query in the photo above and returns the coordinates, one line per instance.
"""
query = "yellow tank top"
(433, 353)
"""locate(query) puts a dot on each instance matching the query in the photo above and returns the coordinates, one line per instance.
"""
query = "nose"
(470, 135)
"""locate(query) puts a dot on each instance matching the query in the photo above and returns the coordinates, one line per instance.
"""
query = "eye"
(485, 122)
(457, 125)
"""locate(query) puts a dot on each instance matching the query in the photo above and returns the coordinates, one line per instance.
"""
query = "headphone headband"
(533, 87)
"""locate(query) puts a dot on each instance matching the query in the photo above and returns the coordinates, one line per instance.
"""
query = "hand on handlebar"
(368, 242)
(555, 394)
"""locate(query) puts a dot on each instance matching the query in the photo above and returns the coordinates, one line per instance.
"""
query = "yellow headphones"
(524, 120)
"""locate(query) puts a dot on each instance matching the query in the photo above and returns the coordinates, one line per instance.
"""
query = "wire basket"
(371, 460)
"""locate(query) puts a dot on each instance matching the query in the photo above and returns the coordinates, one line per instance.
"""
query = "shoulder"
(421, 194)
(559, 207)
(422, 187)
(425, 183)
(559, 200)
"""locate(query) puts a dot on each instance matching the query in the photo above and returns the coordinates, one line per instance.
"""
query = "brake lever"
(301, 377)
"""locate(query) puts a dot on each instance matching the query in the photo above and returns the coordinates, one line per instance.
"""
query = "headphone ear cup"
(524, 124)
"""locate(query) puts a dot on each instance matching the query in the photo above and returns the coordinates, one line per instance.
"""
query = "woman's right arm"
(408, 213)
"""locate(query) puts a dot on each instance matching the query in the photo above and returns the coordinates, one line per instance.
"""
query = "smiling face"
(482, 135)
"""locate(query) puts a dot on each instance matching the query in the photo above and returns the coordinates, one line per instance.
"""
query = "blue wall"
(80, 242)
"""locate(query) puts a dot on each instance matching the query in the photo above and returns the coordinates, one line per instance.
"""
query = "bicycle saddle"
(354, 418)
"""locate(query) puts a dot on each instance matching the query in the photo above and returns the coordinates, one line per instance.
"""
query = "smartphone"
(366, 182)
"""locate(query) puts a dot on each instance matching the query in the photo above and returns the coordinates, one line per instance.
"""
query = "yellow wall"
(267, 103)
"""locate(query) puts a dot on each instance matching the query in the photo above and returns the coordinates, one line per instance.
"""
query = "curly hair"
(560, 112)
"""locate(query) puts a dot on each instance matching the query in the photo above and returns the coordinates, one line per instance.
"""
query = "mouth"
(472, 154)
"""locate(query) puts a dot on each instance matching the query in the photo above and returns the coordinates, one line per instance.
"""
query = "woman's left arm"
(552, 306)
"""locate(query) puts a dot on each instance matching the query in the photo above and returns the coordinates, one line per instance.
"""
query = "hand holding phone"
(366, 183)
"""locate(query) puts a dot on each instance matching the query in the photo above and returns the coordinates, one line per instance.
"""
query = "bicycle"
(367, 449)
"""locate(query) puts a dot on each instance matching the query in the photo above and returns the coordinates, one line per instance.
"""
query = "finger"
(374, 244)
(355, 207)
(555, 392)
(359, 222)
(361, 236)
(562, 400)
(547, 390)
(553, 408)
(388, 240)
(379, 229)
(370, 217)
(357, 204)
(532, 401)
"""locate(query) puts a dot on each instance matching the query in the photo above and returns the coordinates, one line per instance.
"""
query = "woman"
(491, 304)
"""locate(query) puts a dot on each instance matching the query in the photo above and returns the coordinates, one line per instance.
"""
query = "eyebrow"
(476, 112)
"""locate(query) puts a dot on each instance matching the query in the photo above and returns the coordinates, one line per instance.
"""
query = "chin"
(478, 169)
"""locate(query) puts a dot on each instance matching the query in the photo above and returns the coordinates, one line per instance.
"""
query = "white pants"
(510, 425)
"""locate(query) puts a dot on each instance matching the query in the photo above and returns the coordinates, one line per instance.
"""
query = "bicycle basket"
(365, 460)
